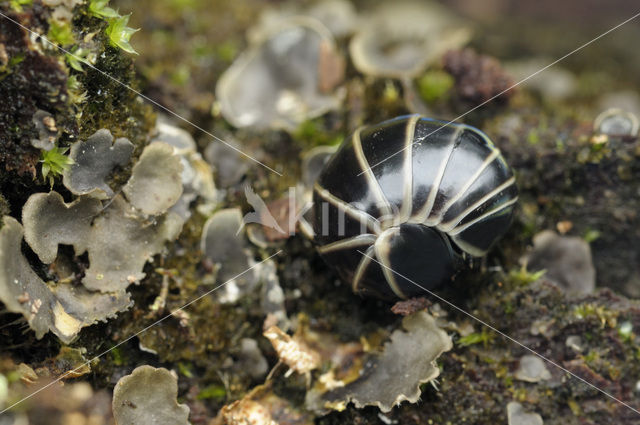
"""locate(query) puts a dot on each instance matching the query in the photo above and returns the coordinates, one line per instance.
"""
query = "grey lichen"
(616, 122)
(224, 245)
(94, 159)
(148, 396)
(394, 376)
(155, 184)
(49, 221)
(229, 165)
(180, 139)
(566, 259)
(532, 369)
(120, 243)
(21, 290)
(278, 82)
(88, 307)
(400, 40)
(196, 176)
(197, 183)
(272, 295)
(339, 16)
(61, 309)
(102, 232)
(117, 237)
(47, 131)
(516, 415)
(250, 359)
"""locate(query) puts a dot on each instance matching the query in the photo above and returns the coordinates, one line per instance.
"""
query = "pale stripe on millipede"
(407, 185)
(463, 191)
(383, 202)
(425, 211)
(460, 229)
(382, 250)
(362, 217)
(351, 242)
(362, 267)
(448, 226)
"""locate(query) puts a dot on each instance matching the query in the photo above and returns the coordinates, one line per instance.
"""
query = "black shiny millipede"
(446, 197)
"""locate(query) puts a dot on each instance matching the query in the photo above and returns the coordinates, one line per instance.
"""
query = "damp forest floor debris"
(116, 214)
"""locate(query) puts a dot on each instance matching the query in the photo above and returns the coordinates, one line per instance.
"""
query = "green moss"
(99, 9)
(390, 93)
(226, 51)
(77, 58)
(602, 314)
(533, 138)
(103, 102)
(590, 235)
(435, 85)
(116, 356)
(625, 331)
(591, 357)
(180, 76)
(13, 376)
(185, 369)
(483, 337)
(311, 133)
(77, 94)
(7, 69)
(119, 33)
(508, 308)
(576, 409)
(522, 277)
(54, 163)
(17, 5)
(16, 60)
(215, 391)
(60, 33)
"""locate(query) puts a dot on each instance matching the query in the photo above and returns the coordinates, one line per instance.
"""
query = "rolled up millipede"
(402, 204)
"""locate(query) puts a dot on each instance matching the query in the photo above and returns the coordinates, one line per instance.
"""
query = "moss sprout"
(225, 51)
(214, 391)
(119, 33)
(523, 277)
(77, 94)
(435, 85)
(625, 331)
(6, 69)
(591, 235)
(18, 4)
(600, 313)
(78, 57)
(54, 163)
(100, 9)
(485, 337)
(60, 33)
